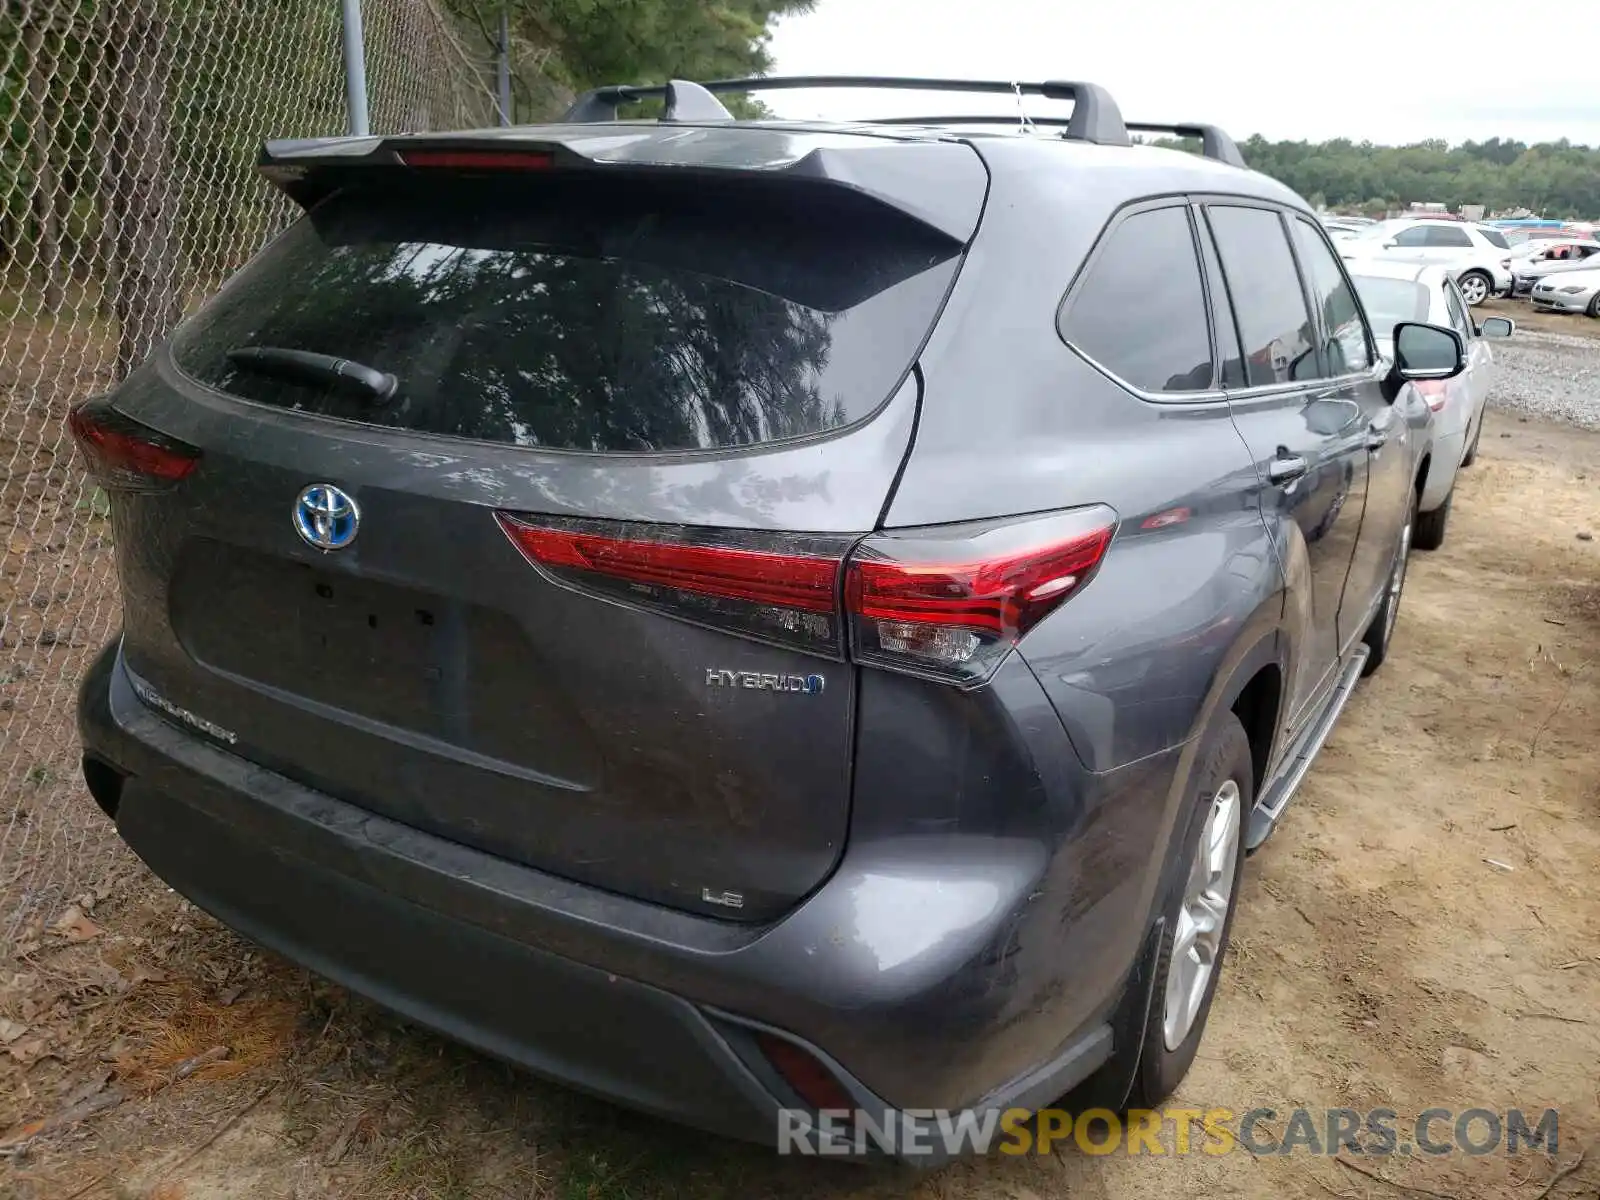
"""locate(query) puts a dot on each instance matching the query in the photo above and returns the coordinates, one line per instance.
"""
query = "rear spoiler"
(939, 184)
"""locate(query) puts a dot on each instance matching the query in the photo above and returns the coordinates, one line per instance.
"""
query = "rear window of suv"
(587, 315)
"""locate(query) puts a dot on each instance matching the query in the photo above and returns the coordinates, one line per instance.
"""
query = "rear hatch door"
(521, 503)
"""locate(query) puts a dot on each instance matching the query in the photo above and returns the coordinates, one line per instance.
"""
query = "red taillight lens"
(945, 601)
(125, 455)
(812, 1081)
(951, 601)
(1434, 392)
(781, 588)
(479, 160)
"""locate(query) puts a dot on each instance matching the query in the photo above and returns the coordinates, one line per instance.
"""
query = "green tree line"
(1553, 179)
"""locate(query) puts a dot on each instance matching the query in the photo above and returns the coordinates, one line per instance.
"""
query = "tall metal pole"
(355, 69)
(505, 67)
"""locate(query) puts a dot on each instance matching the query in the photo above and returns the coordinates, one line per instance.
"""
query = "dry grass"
(178, 1032)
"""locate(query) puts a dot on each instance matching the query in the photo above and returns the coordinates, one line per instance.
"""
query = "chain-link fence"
(129, 131)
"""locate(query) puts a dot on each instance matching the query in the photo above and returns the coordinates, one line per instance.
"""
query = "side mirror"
(1497, 327)
(1428, 351)
(1390, 245)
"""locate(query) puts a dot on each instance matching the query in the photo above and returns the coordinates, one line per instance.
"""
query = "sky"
(1377, 71)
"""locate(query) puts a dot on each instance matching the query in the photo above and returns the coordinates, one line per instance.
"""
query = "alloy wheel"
(1207, 897)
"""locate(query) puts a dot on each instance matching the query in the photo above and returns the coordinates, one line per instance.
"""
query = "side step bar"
(1281, 788)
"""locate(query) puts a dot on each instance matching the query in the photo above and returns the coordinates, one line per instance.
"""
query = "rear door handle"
(1286, 468)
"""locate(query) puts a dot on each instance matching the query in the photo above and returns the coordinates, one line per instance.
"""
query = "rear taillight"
(946, 601)
(124, 455)
(780, 588)
(1434, 392)
(951, 601)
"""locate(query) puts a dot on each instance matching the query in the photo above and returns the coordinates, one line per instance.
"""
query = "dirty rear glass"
(584, 316)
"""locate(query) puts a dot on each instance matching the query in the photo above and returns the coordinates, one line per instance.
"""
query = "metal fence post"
(355, 69)
(505, 67)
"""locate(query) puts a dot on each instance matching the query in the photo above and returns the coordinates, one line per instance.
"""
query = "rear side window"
(1346, 350)
(1495, 238)
(1276, 329)
(1141, 311)
(583, 315)
(1448, 235)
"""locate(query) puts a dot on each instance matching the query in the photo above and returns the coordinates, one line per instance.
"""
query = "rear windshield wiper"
(306, 366)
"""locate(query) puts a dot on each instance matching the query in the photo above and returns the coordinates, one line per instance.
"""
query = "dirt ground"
(1423, 930)
(1528, 317)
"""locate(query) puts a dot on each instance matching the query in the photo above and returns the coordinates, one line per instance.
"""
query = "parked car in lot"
(1476, 256)
(1393, 292)
(1551, 258)
(741, 617)
(1569, 291)
(1534, 250)
(1339, 228)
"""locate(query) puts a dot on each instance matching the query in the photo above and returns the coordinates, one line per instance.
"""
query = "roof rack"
(1095, 115)
(1214, 143)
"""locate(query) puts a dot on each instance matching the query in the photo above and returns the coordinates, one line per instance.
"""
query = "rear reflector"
(951, 601)
(1434, 392)
(801, 1070)
(777, 587)
(479, 160)
(124, 455)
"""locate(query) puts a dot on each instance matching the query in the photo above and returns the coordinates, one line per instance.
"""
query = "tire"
(1476, 287)
(1471, 456)
(1380, 634)
(1594, 306)
(1428, 533)
(1220, 798)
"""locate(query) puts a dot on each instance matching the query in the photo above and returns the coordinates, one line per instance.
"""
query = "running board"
(1276, 795)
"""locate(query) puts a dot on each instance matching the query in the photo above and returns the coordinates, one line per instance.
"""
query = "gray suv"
(743, 616)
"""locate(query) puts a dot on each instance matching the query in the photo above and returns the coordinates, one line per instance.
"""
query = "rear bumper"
(625, 1000)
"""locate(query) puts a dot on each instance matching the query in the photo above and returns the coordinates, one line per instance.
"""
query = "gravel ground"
(1551, 375)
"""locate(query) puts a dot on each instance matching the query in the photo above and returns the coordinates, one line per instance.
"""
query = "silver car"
(1393, 292)
(1569, 291)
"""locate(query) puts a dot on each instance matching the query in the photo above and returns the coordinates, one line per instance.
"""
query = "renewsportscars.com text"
(1376, 1132)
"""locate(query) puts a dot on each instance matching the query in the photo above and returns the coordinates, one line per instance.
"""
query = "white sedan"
(1392, 292)
(1569, 291)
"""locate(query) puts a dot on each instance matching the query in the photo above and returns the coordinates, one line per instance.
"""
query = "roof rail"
(1214, 143)
(1095, 115)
